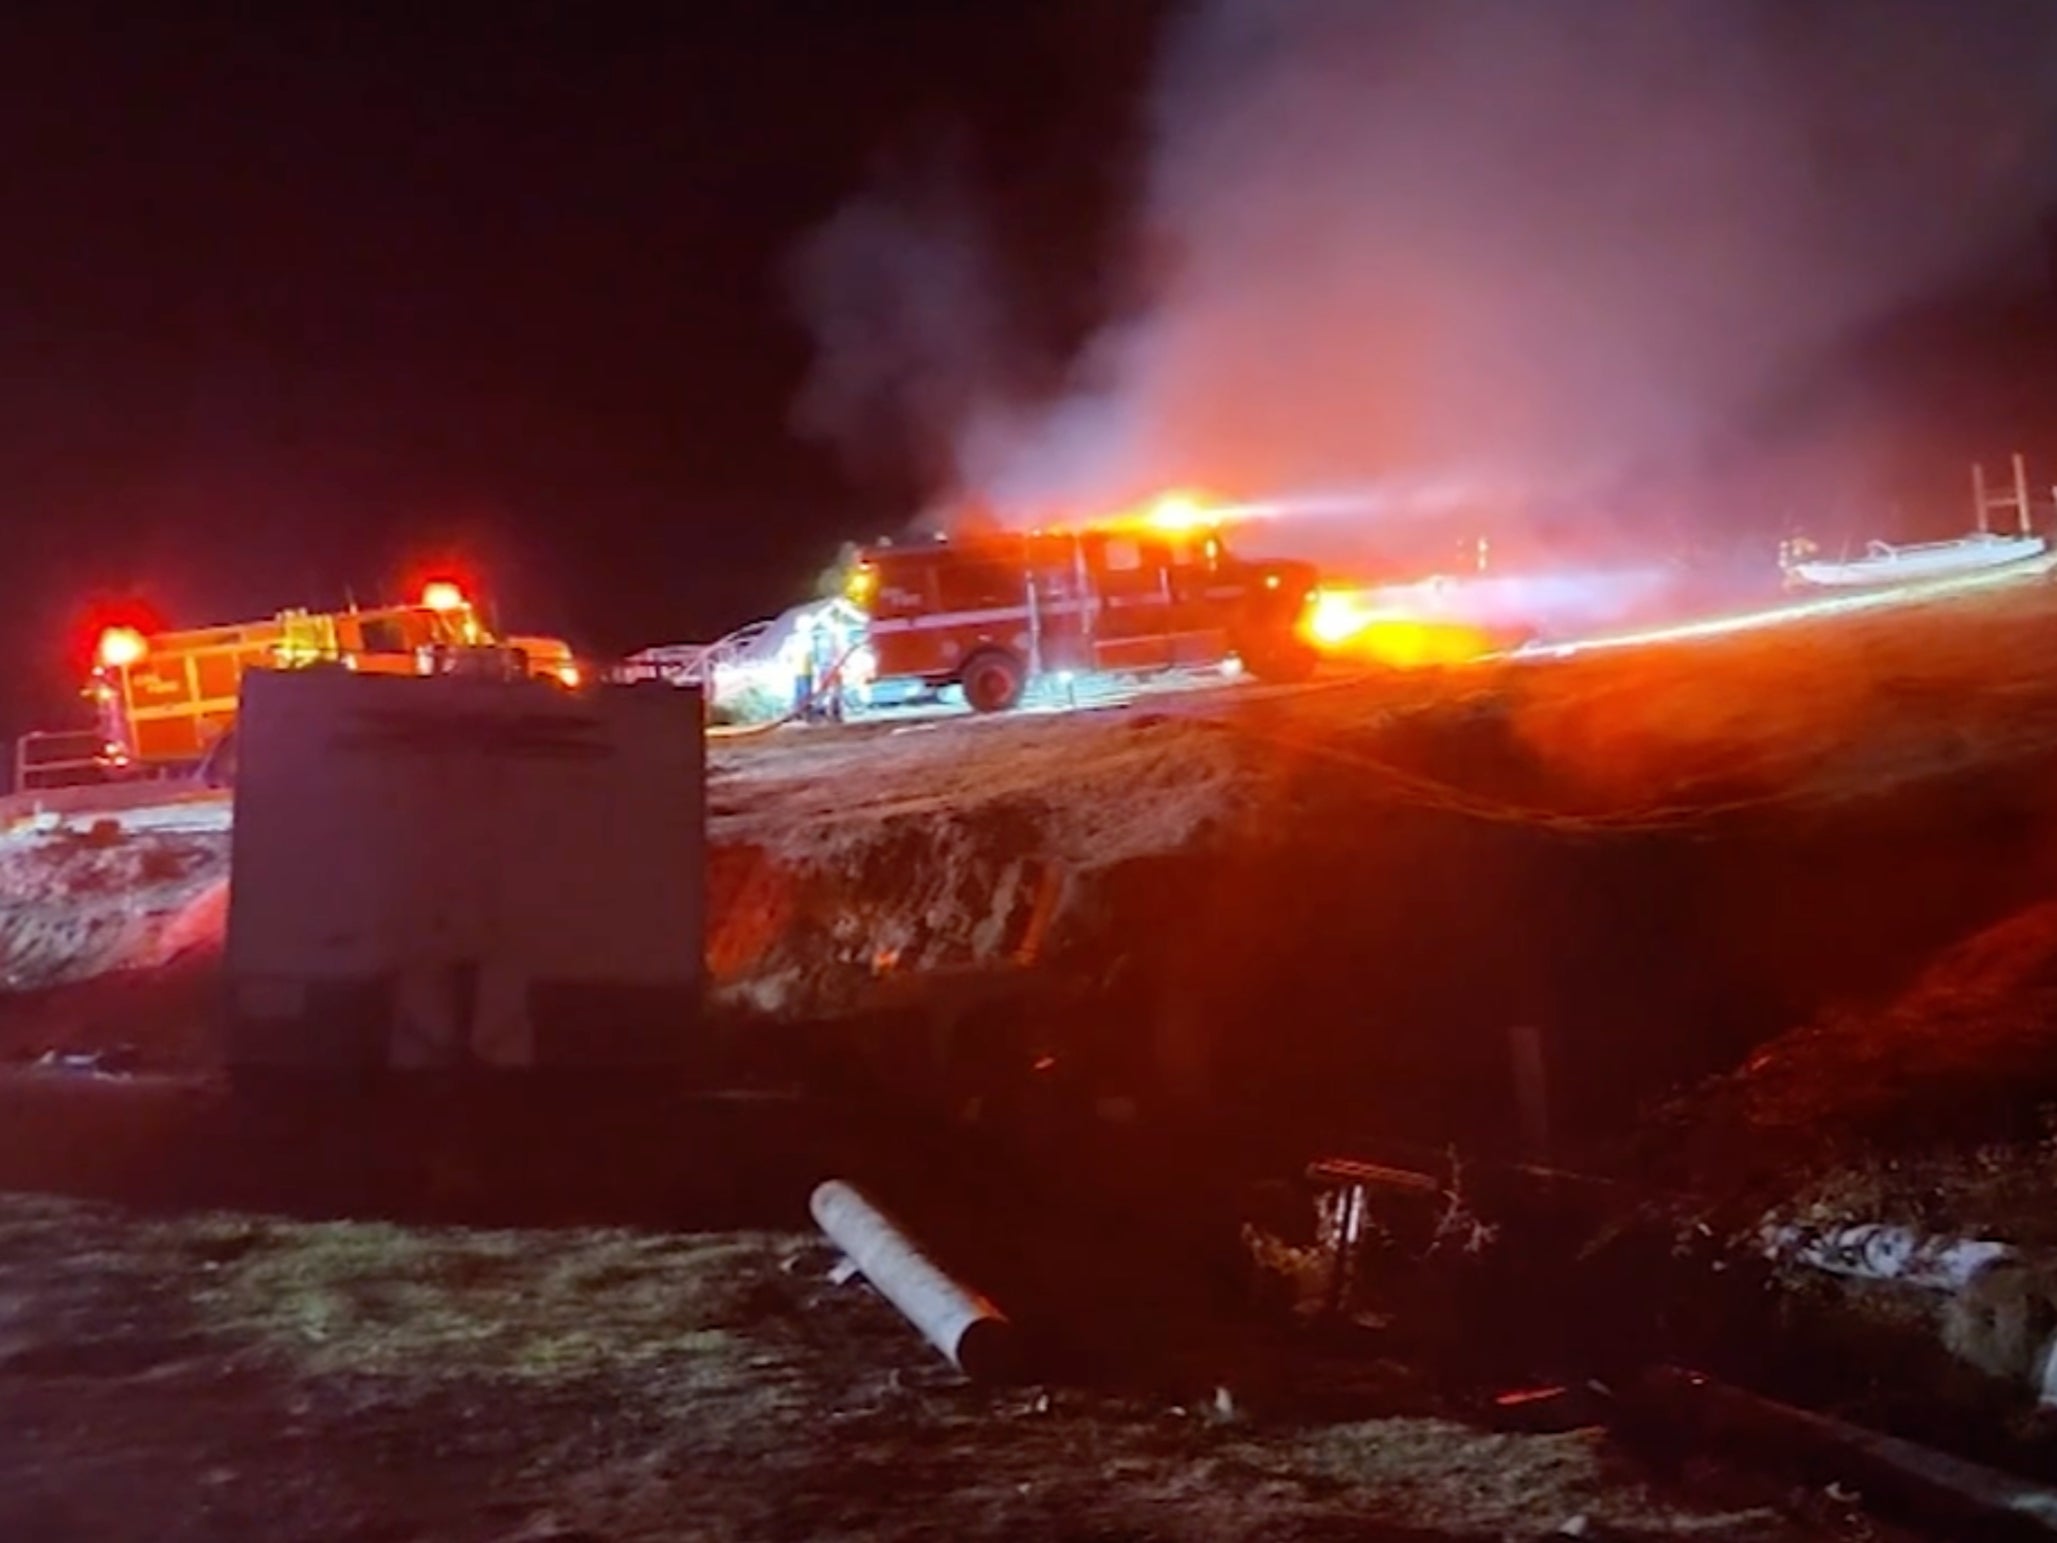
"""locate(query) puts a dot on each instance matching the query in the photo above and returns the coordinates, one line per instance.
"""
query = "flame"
(1350, 624)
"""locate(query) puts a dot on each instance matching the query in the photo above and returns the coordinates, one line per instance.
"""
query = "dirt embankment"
(76, 904)
(1319, 914)
(1336, 902)
(1936, 1110)
(111, 942)
(1339, 902)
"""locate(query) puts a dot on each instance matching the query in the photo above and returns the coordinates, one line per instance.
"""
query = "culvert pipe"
(1940, 1488)
(972, 1333)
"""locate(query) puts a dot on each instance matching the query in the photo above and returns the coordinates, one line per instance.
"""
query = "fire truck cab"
(165, 700)
(993, 613)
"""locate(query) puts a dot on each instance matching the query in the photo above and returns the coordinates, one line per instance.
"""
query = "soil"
(1765, 920)
(216, 1376)
(1936, 1110)
(1341, 901)
(1345, 896)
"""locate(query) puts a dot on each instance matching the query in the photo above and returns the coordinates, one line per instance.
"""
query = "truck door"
(982, 595)
(1135, 620)
(1200, 604)
(1062, 601)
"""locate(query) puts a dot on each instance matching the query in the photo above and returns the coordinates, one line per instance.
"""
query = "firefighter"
(825, 701)
(844, 626)
(797, 653)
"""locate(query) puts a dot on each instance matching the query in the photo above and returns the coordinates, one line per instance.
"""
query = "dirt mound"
(74, 906)
(1952, 1086)
(1341, 903)
(110, 944)
(164, 1017)
(1653, 858)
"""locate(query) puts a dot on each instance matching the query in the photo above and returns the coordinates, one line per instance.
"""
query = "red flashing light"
(442, 595)
(121, 647)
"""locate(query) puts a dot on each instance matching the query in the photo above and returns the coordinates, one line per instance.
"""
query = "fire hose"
(829, 680)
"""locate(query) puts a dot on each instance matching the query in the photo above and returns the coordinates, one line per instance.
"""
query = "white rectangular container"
(444, 871)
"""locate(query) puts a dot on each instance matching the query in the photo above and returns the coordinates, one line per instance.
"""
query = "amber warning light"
(121, 647)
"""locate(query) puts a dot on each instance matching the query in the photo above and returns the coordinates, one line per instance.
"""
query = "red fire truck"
(992, 613)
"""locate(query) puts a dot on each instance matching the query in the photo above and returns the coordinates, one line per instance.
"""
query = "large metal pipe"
(959, 1321)
(1968, 1498)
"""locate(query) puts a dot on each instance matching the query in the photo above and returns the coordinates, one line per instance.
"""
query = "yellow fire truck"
(166, 699)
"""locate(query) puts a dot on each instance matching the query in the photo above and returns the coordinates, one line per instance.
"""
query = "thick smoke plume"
(1531, 244)
(903, 295)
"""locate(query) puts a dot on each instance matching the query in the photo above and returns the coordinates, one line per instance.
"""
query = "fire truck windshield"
(454, 626)
(1192, 549)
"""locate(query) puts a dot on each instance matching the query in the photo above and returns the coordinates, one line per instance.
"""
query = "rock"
(2003, 1322)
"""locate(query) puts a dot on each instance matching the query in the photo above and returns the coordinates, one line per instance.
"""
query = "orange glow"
(568, 674)
(121, 647)
(1336, 617)
(442, 595)
(1179, 512)
(1345, 624)
(1175, 513)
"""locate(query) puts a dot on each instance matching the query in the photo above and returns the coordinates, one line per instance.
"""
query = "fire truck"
(993, 613)
(165, 701)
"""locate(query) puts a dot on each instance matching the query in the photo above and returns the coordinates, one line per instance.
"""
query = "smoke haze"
(909, 315)
(1501, 243)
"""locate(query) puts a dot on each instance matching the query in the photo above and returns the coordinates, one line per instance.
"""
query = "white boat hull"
(1883, 564)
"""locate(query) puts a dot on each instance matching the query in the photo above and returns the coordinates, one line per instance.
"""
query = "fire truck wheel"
(992, 681)
(1287, 663)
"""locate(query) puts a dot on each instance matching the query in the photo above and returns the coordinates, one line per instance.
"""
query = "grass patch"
(429, 1303)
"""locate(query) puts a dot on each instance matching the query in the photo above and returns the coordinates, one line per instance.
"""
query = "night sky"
(300, 302)
(296, 300)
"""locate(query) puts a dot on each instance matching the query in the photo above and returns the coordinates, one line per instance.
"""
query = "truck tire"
(1285, 661)
(993, 680)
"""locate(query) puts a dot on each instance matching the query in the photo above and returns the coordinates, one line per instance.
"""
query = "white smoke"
(1526, 243)
(909, 316)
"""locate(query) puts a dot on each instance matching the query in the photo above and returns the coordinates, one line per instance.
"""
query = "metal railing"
(59, 758)
(690, 664)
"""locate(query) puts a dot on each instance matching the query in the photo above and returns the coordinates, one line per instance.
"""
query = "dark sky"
(294, 299)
